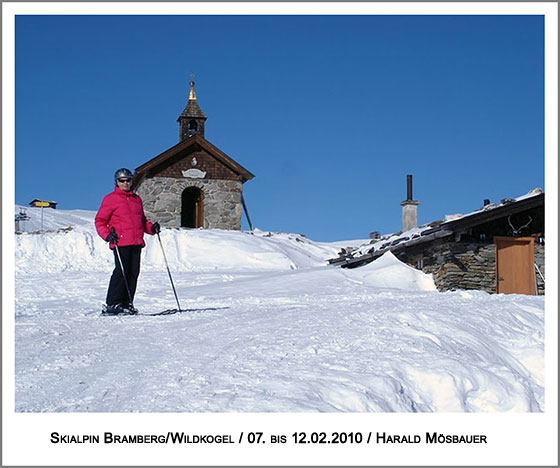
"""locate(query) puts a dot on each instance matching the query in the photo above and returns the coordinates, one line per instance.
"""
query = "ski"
(181, 311)
(163, 312)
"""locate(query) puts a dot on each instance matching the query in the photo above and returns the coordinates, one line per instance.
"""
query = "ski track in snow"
(273, 330)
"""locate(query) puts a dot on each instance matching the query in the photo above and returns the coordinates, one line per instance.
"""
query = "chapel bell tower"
(192, 119)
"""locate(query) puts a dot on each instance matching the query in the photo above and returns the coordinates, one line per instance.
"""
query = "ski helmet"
(123, 172)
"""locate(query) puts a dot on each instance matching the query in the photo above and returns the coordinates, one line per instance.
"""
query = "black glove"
(156, 229)
(112, 237)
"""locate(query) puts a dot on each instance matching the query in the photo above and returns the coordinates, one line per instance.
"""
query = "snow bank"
(389, 272)
(72, 244)
(186, 250)
(69, 242)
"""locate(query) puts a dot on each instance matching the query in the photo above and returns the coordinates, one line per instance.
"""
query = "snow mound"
(72, 244)
(65, 249)
(389, 272)
(69, 241)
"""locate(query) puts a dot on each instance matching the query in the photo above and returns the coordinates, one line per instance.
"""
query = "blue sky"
(329, 112)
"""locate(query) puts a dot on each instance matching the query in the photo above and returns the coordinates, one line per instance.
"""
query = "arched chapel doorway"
(192, 213)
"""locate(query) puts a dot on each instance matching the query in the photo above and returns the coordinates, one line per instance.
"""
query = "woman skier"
(121, 221)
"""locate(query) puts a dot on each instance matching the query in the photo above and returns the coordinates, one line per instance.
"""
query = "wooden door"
(192, 208)
(515, 270)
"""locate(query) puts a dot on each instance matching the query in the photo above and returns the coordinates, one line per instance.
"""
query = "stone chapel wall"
(221, 201)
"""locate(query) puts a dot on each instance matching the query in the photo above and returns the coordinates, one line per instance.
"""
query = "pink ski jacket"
(123, 211)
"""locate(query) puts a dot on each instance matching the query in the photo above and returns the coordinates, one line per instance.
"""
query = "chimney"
(409, 187)
(410, 208)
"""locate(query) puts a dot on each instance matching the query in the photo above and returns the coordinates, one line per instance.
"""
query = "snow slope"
(271, 328)
(69, 242)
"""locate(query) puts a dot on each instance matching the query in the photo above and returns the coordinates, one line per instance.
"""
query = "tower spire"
(192, 119)
(192, 94)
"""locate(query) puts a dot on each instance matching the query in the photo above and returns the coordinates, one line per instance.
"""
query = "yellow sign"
(42, 203)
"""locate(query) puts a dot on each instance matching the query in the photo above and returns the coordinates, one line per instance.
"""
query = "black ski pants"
(117, 293)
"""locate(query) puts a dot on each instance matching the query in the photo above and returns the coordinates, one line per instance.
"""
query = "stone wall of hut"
(464, 265)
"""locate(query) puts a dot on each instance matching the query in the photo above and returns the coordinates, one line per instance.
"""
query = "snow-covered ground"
(271, 327)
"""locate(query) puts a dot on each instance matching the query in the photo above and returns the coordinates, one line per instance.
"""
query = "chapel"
(193, 184)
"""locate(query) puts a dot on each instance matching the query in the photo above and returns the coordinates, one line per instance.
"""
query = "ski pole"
(122, 270)
(169, 272)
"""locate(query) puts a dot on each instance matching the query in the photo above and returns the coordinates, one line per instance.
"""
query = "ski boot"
(118, 309)
(129, 310)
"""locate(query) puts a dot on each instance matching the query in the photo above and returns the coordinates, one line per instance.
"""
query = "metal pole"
(246, 212)
(168, 271)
